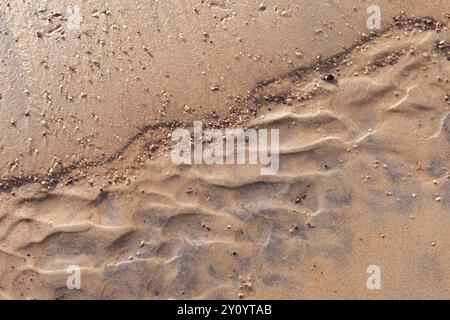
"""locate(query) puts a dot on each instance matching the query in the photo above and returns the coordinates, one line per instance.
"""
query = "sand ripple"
(362, 164)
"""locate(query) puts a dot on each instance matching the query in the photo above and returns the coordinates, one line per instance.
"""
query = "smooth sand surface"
(86, 175)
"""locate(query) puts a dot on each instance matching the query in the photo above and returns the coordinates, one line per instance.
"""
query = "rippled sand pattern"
(363, 181)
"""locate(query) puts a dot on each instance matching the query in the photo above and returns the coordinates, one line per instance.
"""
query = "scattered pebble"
(329, 77)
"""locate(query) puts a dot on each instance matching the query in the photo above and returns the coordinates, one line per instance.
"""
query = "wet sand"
(87, 177)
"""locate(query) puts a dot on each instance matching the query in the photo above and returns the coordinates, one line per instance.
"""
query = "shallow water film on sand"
(220, 149)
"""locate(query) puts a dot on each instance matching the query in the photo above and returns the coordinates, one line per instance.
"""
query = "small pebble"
(329, 77)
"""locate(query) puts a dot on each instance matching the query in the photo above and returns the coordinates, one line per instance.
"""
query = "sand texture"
(86, 177)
